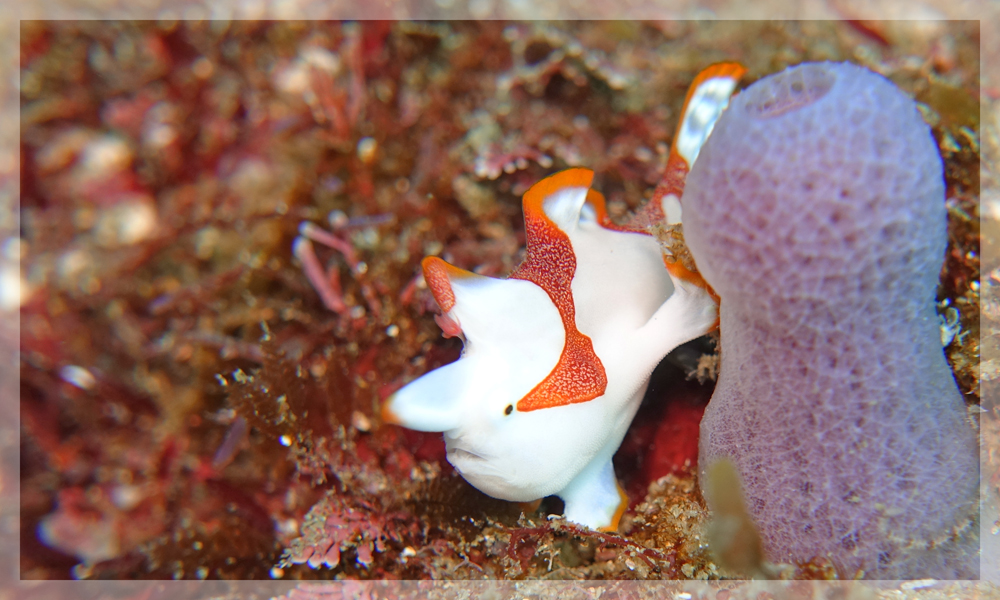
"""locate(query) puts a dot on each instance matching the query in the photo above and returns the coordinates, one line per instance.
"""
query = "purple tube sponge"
(816, 211)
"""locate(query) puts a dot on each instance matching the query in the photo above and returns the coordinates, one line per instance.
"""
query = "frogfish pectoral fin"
(689, 312)
(594, 497)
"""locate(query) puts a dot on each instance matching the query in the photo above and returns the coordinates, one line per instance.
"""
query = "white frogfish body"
(558, 355)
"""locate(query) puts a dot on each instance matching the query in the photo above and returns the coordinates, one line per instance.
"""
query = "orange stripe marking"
(550, 263)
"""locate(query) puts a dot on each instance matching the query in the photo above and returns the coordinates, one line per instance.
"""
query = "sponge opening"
(791, 90)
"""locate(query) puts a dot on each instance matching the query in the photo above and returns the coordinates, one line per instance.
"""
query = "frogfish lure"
(558, 355)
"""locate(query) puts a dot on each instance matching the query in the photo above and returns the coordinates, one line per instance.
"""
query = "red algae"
(191, 408)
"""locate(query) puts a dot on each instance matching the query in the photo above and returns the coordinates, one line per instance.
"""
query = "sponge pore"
(816, 211)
